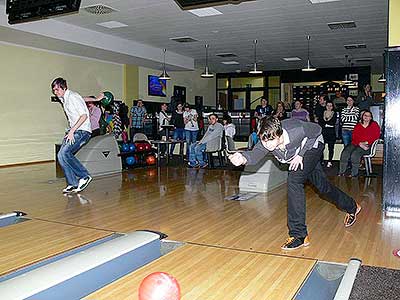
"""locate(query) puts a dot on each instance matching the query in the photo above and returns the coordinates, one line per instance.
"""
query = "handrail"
(256, 100)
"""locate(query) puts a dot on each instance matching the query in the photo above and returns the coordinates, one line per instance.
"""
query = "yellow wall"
(394, 23)
(131, 83)
(195, 86)
(30, 123)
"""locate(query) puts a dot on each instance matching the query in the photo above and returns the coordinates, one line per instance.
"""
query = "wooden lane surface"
(216, 273)
(32, 241)
(189, 205)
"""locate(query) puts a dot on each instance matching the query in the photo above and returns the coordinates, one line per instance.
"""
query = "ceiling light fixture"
(254, 70)
(309, 67)
(164, 74)
(206, 73)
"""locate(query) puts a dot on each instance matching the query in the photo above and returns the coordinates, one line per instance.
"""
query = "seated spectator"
(229, 128)
(230, 132)
(279, 112)
(212, 136)
(365, 133)
(300, 113)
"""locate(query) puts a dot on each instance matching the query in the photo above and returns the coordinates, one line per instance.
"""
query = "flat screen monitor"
(156, 86)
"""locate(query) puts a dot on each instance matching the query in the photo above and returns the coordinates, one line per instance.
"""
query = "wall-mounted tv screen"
(156, 86)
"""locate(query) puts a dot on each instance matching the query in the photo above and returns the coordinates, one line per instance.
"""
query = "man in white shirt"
(74, 106)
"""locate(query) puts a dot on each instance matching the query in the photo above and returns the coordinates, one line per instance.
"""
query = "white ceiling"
(280, 26)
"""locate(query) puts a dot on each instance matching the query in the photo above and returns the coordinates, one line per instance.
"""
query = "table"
(158, 143)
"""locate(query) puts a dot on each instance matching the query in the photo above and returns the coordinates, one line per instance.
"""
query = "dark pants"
(134, 130)
(95, 132)
(331, 150)
(353, 154)
(313, 172)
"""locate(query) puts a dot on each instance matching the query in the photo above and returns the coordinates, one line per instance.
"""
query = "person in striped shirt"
(349, 118)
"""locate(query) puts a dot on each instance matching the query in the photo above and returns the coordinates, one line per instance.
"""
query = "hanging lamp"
(164, 75)
(309, 67)
(254, 70)
(206, 73)
(347, 80)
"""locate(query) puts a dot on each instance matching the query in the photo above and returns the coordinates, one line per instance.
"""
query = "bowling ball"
(147, 146)
(108, 99)
(150, 160)
(140, 147)
(125, 147)
(132, 147)
(159, 286)
(130, 160)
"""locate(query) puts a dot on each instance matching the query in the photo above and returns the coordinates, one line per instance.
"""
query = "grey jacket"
(213, 137)
(303, 136)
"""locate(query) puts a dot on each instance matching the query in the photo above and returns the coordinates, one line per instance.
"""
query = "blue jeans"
(346, 137)
(179, 135)
(191, 137)
(196, 154)
(71, 166)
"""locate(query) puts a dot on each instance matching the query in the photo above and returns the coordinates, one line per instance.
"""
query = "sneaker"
(203, 166)
(195, 166)
(69, 189)
(329, 164)
(350, 219)
(293, 243)
(83, 183)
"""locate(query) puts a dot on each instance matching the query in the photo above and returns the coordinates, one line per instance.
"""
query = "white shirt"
(230, 130)
(163, 119)
(192, 124)
(74, 107)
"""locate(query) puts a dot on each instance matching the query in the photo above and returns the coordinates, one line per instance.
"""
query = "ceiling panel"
(280, 26)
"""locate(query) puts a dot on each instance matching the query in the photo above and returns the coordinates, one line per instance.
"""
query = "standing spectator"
(349, 119)
(263, 110)
(300, 113)
(191, 126)
(365, 133)
(77, 176)
(136, 118)
(319, 109)
(95, 115)
(327, 123)
(338, 99)
(163, 120)
(177, 121)
(364, 98)
(279, 112)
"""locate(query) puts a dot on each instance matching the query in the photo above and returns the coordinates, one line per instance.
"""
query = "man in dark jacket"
(299, 144)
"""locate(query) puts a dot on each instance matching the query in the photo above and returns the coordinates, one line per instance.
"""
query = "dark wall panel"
(391, 167)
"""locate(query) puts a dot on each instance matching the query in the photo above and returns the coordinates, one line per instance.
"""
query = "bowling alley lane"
(205, 272)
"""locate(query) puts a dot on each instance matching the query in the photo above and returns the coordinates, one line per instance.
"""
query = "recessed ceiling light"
(112, 24)
(230, 62)
(205, 12)
(322, 1)
(291, 58)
